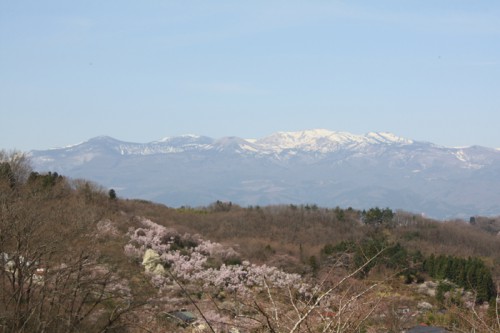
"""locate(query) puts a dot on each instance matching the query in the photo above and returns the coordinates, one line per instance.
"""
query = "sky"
(140, 71)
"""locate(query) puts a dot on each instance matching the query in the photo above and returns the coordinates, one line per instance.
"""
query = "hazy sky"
(143, 70)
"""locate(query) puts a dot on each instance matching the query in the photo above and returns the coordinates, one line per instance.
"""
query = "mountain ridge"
(283, 140)
(313, 166)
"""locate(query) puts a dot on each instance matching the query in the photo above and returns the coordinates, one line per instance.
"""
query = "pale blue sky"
(142, 70)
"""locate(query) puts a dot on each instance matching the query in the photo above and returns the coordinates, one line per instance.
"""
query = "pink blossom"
(190, 265)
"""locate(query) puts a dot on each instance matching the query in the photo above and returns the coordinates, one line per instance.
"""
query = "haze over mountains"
(307, 167)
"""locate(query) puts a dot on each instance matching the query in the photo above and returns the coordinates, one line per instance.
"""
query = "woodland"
(75, 257)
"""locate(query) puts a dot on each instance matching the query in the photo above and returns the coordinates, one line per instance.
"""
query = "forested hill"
(77, 257)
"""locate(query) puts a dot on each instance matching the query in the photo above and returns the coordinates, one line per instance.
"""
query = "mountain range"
(307, 167)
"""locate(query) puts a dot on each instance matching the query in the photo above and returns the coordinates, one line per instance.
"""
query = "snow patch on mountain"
(467, 162)
(191, 137)
(460, 155)
(325, 141)
(386, 137)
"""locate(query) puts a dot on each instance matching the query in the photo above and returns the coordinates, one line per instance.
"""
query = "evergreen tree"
(485, 289)
(112, 194)
(377, 216)
(313, 262)
(471, 274)
(429, 265)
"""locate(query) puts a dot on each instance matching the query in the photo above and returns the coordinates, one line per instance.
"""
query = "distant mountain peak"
(313, 140)
(183, 136)
(317, 165)
(322, 140)
(103, 138)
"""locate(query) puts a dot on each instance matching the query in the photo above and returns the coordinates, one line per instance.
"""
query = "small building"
(182, 317)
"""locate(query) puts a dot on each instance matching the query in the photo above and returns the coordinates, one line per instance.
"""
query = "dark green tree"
(339, 213)
(377, 216)
(314, 263)
(485, 289)
(112, 194)
(430, 264)
(44, 181)
(471, 274)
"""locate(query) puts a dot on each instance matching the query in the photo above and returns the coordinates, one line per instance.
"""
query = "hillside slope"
(75, 258)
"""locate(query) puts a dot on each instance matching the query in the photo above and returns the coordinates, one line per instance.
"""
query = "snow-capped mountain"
(315, 166)
(325, 141)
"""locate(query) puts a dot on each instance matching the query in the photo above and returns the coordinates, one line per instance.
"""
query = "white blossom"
(154, 241)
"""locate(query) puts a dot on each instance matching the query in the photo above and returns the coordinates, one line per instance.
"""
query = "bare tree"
(51, 277)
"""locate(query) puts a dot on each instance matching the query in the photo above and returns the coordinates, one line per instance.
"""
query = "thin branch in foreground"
(329, 291)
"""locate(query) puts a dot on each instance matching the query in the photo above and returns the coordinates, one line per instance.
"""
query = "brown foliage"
(53, 275)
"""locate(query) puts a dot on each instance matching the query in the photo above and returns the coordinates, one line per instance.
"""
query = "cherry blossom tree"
(247, 295)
